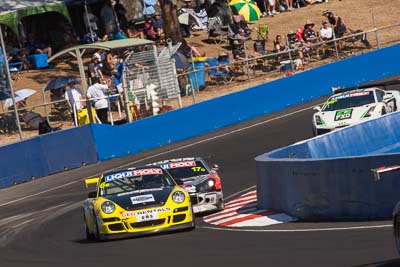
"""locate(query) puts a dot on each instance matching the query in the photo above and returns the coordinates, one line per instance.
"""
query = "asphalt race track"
(41, 221)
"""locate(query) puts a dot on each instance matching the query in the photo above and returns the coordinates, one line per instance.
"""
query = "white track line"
(167, 152)
(294, 230)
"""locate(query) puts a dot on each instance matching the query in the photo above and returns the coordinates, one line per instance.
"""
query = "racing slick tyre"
(220, 205)
(97, 236)
(397, 233)
(89, 236)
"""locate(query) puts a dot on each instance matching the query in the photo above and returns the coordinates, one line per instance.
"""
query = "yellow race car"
(135, 201)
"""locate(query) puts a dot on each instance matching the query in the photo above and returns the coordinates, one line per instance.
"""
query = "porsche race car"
(135, 201)
(201, 182)
(350, 107)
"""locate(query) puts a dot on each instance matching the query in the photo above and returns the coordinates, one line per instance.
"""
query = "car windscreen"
(135, 180)
(186, 169)
(349, 100)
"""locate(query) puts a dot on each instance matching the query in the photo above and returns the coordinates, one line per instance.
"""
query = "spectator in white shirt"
(98, 92)
(326, 32)
(74, 99)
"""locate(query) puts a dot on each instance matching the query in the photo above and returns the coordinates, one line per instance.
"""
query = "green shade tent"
(12, 11)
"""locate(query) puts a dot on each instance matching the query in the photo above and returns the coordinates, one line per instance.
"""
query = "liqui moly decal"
(119, 175)
(181, 164)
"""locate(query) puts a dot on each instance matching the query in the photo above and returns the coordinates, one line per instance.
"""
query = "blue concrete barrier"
(46, 154)
(227, 110)
(329, 177)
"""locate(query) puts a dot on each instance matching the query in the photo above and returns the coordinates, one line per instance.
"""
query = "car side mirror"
(92, 194)
(317, 108)
(215, 167)
(387, 97)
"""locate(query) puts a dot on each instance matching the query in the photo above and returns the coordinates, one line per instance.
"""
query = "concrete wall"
(46, 154)
(329, 177)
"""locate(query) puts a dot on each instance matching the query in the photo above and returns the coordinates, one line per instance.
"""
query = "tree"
(170, 21)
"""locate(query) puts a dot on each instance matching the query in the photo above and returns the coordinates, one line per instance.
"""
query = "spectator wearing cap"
(339, 27)
(326, 31)
(295, 43)
(158, 25)
(310, 37)
(94, 68)
(223, 62)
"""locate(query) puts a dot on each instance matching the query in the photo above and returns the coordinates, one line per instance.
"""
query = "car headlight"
(178, 197)
(211, 183)
(108, 207)
(318, 120)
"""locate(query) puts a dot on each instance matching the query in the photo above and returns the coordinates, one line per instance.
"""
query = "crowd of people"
(112, 22)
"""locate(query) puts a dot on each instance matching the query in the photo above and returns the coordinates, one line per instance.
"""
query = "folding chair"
(216, 31)
(262, 32)
(215, 73)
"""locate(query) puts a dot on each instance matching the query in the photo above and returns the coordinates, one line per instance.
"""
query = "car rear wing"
(376, 172)
(91, 181)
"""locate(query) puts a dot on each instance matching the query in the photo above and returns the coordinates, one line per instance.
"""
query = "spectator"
(3, 73)
(271, 6)
(149, 7)
(158, 25)
(108, 18)
(132, 32)
(326, 31)
(339, 27)
(310, 37)
(295, 43)
(90, 20)
(94, 68)
(188, 50)
(120, 10)
(74, 99)
(91, 37)
(37, 47)
(279, 44)
(98, 93)
(148, 29)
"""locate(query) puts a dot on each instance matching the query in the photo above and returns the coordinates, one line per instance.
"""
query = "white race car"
(354, 106)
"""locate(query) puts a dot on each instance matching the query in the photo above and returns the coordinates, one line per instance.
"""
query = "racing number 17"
(196, 168)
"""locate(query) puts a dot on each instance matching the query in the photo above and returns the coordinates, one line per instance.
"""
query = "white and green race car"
(351, 107)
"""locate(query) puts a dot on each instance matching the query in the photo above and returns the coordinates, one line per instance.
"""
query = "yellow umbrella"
(247, 8)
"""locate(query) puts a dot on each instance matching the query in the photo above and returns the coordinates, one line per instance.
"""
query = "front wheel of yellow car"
(97, 235)
(89, 236)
